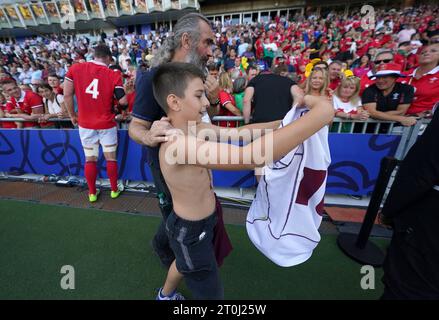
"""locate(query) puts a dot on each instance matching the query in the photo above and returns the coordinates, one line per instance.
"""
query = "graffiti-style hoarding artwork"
(126, 7)
(141, 6)
(12, 13)
(110, 8)
(39, 13)
(155, 5)
(81, 12)
(52, 11)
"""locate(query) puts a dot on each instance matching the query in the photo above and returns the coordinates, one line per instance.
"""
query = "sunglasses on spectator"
(383, 61)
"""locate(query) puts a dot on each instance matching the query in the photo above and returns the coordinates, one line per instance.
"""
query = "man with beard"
(191, 42)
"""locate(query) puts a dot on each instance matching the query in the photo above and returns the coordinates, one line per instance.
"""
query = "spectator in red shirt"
(402, 55)
(334, 74)
(2, 106)
(227, 101)
(425, 79)
(131, 94)
(22, 104)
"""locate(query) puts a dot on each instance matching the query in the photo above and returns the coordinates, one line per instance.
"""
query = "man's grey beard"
(194, 58)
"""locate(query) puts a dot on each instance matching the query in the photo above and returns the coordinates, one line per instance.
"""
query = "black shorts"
(191, 242)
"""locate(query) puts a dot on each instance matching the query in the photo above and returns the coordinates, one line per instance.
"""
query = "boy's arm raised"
(189, 150)
(245, 133)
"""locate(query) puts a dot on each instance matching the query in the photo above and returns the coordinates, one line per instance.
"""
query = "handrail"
(374, 125)
(216, 118)
(33, 120)
(123, 124)
(228, 118)
(336, 119)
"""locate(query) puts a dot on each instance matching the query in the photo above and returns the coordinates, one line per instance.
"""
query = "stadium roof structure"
(30, 17)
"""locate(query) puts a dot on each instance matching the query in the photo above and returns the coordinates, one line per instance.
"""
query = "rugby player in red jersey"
(95, 85)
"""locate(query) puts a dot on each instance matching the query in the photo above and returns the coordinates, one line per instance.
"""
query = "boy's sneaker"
(94, 197)
(174, 296)
(120, 188)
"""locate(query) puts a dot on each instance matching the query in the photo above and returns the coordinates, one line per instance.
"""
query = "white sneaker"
(174, 296)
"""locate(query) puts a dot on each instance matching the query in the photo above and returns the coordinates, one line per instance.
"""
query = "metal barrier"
(370, 126)
(237, 119)
(383, 127)
(353, 169)
(34, 120)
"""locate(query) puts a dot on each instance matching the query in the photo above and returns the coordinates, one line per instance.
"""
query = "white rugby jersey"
(285, 215)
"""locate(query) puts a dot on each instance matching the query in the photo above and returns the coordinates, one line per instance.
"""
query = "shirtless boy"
(179, 89)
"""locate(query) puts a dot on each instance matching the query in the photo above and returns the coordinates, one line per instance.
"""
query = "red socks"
(91, 172)
(112, 174)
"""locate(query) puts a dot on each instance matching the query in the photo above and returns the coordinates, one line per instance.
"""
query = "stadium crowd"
(387, 71)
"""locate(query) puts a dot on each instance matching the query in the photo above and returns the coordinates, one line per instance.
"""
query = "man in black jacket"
(411, 268)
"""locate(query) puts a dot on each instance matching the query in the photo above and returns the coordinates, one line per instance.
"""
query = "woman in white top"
(347, 102)
(53, 103)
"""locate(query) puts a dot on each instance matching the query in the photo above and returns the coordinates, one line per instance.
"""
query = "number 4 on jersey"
(93, 88)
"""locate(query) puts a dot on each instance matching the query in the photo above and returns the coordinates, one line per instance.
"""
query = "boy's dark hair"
(173, 78)
(102, 51)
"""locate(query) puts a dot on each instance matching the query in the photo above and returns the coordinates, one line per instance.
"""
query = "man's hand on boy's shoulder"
(158, 132)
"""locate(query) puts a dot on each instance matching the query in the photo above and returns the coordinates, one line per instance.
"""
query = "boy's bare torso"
(193, 197)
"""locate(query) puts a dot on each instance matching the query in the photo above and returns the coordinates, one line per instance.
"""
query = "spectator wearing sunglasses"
(388, 99)
(383, 56)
